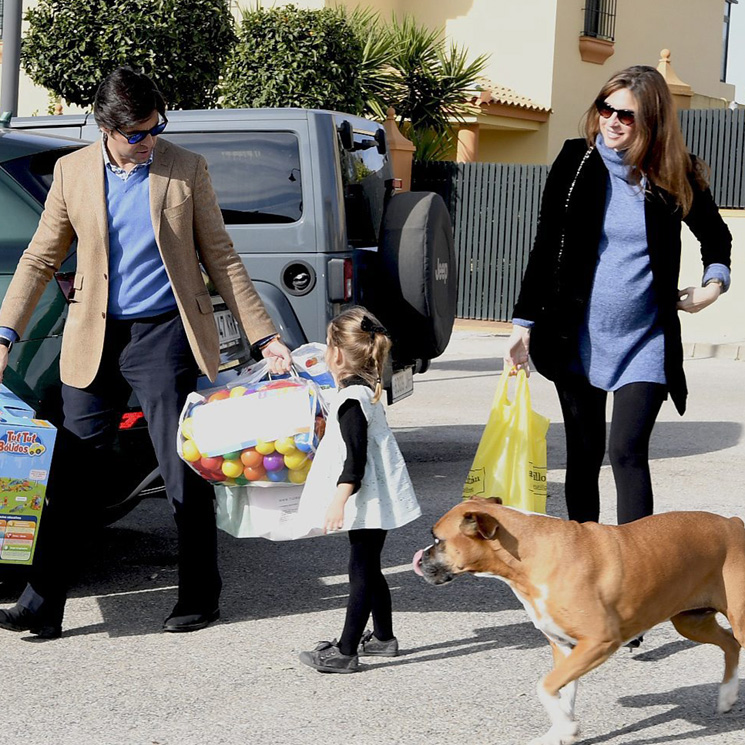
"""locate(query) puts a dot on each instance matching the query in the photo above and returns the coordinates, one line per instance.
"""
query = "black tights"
(368, 590)
(635, 409)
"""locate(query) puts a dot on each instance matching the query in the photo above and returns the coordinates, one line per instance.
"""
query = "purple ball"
(274, 462)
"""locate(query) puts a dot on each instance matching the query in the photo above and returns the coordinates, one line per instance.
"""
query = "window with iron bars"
(600, 19)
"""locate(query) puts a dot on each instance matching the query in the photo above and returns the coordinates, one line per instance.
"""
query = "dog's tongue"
(417, 562)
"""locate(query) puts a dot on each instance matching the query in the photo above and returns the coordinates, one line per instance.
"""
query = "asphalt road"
(471, 658)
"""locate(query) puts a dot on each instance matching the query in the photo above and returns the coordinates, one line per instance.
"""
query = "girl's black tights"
(368, 590)
(635, 409)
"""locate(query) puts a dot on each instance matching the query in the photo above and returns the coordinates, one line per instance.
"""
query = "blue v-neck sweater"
(622, 340)
(138, 283)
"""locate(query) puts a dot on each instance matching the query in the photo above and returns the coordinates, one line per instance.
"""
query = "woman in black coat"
(598, 307)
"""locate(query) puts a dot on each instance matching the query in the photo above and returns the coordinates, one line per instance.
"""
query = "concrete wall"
(723, 323)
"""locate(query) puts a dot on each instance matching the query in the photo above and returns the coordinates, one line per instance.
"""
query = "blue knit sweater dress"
(622, 340)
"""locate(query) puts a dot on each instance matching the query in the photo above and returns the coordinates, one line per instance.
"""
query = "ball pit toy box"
(262, 433)
(26, 446)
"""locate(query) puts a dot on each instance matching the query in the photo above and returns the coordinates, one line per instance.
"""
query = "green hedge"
(71, 45)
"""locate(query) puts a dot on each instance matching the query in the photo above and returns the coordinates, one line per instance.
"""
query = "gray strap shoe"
(372, 646)
(326, 658)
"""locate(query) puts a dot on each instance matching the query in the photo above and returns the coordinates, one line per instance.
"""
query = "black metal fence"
(718, 137)
(494, 208)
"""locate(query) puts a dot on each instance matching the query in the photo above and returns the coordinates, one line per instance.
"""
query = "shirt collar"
(117, 170)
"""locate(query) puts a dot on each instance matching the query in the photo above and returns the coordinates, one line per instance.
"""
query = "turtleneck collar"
(614, 160)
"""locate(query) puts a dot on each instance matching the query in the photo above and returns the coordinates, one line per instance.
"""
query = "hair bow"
(372, 328)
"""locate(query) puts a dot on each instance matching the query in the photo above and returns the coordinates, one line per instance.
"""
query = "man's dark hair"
(125, 98)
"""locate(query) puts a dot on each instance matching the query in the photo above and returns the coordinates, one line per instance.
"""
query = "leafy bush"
(71, 45)
(293, 57)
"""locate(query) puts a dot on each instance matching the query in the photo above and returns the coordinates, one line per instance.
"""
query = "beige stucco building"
(540, 81)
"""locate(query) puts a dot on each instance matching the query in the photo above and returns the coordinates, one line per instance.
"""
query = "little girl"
(358, 483)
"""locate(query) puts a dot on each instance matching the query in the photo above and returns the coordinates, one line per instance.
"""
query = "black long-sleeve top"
(353, 426)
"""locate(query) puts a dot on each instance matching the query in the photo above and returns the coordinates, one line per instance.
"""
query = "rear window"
(19, 216)
(256, 175)
(34, 173)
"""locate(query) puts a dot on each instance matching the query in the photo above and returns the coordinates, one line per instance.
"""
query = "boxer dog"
(592, 588)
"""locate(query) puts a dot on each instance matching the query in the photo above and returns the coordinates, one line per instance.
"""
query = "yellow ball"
(187, 428)
(238, 391)
(264, 447)
(295, 461)
(232, 468)
(285, 446)
(298, 476)
(190, 451)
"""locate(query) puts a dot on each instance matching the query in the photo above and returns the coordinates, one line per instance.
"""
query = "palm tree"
(411, 68)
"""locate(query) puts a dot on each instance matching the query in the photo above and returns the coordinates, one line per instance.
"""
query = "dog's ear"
(496, 500)
(479, 524)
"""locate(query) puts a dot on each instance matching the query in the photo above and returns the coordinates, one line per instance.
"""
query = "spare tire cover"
(415, 291)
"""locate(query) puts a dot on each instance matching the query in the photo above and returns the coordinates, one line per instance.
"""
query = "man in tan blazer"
(145, 217)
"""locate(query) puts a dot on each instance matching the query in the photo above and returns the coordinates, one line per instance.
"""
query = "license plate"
(227, 328)
(402, 384)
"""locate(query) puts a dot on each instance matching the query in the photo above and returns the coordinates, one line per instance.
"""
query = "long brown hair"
(365, 344)
(657, 151)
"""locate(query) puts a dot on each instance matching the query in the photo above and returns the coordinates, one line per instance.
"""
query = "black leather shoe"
(19, 618)
(180, 621)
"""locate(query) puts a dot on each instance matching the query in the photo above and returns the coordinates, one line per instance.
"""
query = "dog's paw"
(565, 734)
(727, 695)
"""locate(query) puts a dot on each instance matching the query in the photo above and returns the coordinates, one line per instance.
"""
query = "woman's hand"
(516, 356)
(694, 299)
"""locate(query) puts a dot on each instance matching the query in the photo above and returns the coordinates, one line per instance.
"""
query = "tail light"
(130, 418)
(348, 281)
(340, 280)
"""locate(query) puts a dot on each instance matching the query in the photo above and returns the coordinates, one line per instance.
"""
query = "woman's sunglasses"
(606, 111)
(134, 137)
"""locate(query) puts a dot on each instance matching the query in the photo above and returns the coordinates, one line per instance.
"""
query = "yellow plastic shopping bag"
(511, 458)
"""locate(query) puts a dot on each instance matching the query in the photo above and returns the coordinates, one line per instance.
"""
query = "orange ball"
(250, 458)
(255, 474)
(219, 396)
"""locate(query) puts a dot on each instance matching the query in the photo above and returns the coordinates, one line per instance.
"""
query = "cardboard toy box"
(26, 446)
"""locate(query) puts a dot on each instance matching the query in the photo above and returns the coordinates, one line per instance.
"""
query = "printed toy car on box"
(26, 446)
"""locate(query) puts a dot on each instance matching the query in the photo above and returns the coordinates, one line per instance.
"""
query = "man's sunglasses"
(134, 137)
(606, 111)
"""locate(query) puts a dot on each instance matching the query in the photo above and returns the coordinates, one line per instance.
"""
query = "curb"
(699, 350)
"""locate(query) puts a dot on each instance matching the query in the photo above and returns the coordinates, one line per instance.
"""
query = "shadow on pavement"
(693, 704)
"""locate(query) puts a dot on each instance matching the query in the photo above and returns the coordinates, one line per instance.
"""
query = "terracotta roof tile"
(491, 93)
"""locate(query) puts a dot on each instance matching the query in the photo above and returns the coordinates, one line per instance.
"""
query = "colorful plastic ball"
(190, 451)
(264, 447)
(238, 391)
(233, 455)
(219, 396)
(298, 476)
(187, 428)
(211, 463)
(241, 480)
(320, 427)
(277, 476)
(305, 442)
(274, 462)
(251, 458)
(232, 468)
(285, 445)
(254, 474)
(296, 460)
